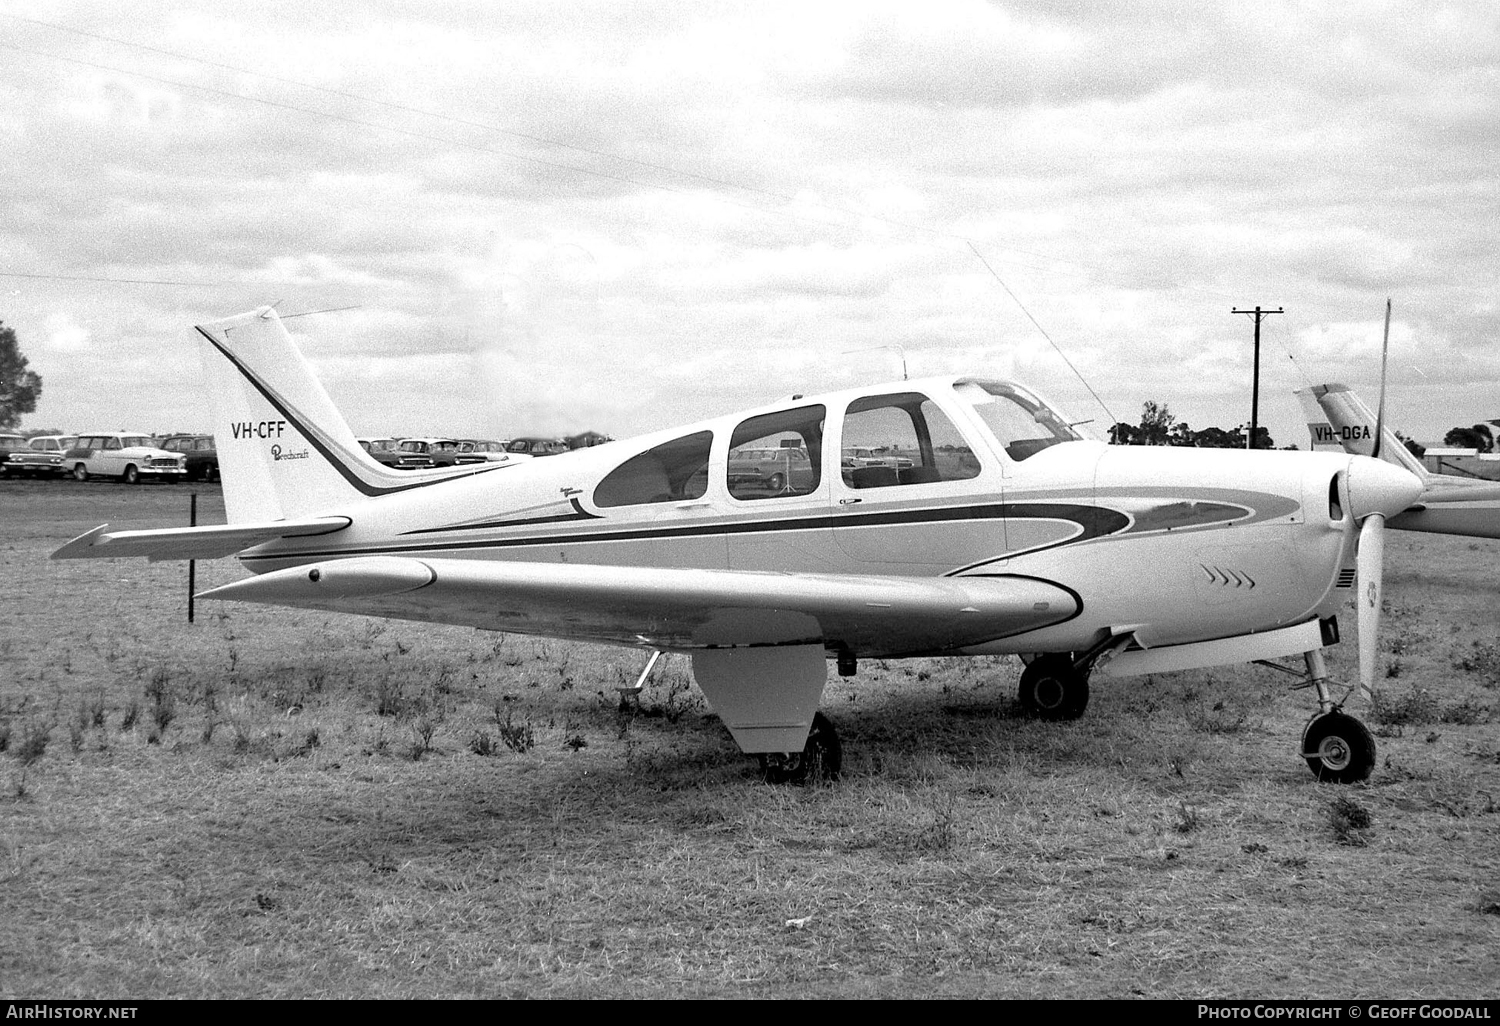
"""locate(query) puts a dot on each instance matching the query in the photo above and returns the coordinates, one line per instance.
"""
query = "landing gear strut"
(1338, 748)
(1052, 688)
(819, 760)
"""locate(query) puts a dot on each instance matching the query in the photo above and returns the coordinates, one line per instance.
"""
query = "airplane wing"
(1477, 521)
(209, 542)
(671, 608)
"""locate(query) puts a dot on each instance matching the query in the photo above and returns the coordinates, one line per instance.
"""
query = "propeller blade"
(1371, 566)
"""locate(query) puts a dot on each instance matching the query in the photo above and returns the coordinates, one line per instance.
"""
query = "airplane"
(1001, 531)
(1339, 420)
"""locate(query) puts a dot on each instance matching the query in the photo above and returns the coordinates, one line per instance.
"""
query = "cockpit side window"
(902, 439)
(1020, 422)
(670, 472)
(777, 454)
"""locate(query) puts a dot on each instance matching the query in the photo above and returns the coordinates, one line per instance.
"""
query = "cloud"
(619, 215)
(64, 336)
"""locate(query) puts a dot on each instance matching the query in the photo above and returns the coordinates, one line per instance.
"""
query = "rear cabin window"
(669, 472)
(902, 439)
(777, 454)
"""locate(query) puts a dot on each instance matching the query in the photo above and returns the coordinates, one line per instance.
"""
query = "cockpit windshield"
(1022, 423)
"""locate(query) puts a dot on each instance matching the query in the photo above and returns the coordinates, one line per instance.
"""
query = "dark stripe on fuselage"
(1095, 522)
(579, 513)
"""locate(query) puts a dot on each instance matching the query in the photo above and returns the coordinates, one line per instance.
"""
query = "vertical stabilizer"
(1320, 433)
(1351, 426)
(284, 448)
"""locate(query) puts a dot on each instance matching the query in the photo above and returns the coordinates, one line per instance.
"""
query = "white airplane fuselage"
(1177, 544)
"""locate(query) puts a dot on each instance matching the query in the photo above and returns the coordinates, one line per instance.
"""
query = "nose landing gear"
(1338, 748)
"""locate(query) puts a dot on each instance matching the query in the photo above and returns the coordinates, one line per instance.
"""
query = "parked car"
(480, 450)
(421, 453)
(10, 444)
(130, 456)
(537, 446)
(41, 456)
(855, 456)
(199, 452)
(381, 450)
(761, 472)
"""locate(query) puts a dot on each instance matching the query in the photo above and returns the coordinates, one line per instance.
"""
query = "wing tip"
(83, 546)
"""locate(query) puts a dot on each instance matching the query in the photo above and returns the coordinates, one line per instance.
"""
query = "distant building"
(1462, 462)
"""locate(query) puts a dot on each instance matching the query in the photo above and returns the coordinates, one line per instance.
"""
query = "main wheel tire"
(80, 472)
(1051, 689)
(821, 759)
(132, 475)
(1338, 748)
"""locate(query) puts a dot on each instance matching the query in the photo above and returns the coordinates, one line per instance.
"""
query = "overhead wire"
(717, 185)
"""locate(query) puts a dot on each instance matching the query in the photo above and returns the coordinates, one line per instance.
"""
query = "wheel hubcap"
(1334, 753)
(1049, 693)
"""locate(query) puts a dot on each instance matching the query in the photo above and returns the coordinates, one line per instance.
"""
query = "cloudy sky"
(532, 217)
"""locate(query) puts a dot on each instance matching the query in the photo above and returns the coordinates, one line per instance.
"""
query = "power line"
(122, 281)
(1073, 266)
(717, 184)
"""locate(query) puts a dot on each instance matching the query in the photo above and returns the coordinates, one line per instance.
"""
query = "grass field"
(275, 803)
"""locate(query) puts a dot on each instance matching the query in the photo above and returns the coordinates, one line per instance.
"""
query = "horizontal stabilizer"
(209, 542)
(672, 608)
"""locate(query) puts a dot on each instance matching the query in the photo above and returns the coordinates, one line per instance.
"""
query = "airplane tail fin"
(1339, 419)
(284, 449)
(1320, 433)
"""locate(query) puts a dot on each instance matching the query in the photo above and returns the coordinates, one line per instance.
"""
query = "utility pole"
(1255, 381)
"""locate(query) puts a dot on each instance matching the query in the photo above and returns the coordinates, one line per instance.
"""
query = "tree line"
(1477, 437)
(1160, 426)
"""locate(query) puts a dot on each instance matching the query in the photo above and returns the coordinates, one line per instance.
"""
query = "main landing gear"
(820, 760)
(1053, 687)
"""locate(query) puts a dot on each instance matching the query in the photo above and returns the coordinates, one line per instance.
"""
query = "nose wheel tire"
(820, 759)
(1051, 689)
(1338, 748)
